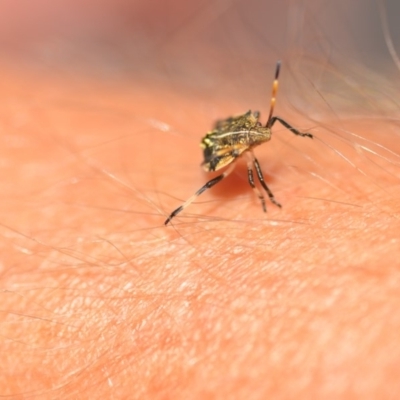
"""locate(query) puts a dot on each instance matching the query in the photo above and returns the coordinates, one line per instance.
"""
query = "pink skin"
(99, 299)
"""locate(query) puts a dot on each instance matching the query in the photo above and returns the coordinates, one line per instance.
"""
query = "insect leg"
(251, 181)
(261, 179)
(288, 126)
(208, 185)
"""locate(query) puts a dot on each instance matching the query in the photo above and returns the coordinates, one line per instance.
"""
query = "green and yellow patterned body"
(230, 138)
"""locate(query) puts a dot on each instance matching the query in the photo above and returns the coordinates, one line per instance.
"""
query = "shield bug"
(234, 137)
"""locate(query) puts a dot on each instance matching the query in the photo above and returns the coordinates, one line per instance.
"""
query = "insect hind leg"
(208, 185)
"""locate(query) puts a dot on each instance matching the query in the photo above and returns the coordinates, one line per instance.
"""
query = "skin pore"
(100, 300)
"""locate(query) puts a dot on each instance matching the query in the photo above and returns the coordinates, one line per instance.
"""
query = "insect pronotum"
(233, 137)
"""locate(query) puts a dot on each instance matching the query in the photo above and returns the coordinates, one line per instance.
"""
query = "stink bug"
(234, 136)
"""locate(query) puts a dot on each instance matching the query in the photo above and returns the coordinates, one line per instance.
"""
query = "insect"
(234, 137)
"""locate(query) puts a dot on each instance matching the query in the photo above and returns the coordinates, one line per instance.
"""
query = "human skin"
(100, 300)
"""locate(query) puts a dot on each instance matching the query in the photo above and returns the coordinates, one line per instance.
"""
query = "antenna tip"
(278, 67)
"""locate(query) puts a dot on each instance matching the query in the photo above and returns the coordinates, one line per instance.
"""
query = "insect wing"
(215, 159)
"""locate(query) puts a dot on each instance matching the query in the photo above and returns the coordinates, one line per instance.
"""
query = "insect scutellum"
(234, 136)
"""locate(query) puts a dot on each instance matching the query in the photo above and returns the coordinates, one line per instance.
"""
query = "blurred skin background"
(103, 107)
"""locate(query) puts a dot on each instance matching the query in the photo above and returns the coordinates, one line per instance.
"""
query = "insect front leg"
(262, 181)
(288, 126)
(251, 181)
